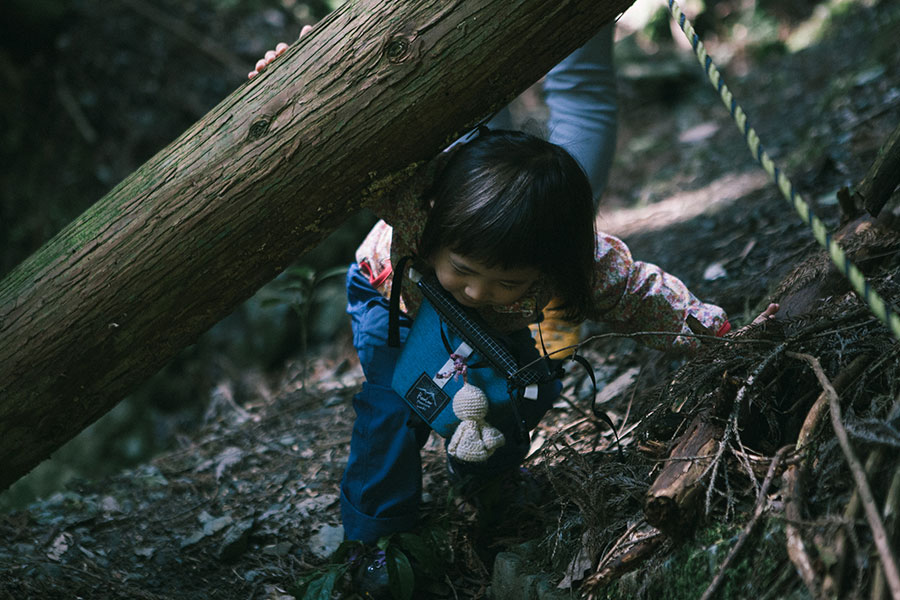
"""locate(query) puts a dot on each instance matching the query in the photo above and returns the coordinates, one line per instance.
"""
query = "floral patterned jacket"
(628, 295)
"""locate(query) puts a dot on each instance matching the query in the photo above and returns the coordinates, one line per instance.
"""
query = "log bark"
(348, 113)
(882, 178)
(670, 504)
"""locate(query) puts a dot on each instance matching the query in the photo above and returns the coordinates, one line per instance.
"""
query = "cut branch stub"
(671, 502)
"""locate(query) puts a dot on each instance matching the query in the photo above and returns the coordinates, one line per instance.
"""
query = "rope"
(857, 280)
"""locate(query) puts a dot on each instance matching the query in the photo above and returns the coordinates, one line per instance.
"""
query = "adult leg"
(581, 94)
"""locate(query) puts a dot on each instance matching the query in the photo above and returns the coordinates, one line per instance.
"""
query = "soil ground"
(245, 505)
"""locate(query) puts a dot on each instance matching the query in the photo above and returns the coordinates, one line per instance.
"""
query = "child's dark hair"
(511, 200)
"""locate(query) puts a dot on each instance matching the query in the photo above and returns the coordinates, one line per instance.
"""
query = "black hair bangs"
(511, 200)
(498, 226)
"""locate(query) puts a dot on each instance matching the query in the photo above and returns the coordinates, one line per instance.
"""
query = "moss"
(382, 185)
(762, 569)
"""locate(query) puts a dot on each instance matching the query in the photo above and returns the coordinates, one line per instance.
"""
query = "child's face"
(476, 285)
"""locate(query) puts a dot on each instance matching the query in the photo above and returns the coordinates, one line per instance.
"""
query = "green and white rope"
(857, 280)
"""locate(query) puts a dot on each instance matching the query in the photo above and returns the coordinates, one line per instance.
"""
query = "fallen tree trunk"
(349, 112)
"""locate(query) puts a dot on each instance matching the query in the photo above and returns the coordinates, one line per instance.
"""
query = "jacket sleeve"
(635, 296)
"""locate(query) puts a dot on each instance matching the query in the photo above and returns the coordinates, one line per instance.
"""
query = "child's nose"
(476, 291)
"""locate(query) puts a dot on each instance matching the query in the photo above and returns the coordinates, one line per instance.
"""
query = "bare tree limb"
(882, 178)
(871, 510)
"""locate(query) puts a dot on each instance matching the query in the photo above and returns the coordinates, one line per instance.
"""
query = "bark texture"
(348, 113)
(671, 503)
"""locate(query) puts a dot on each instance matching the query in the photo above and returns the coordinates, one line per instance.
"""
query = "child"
(507, 223)
(580, 93)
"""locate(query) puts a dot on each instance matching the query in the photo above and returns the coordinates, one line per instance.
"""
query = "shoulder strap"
(597, 412)
(394, 310)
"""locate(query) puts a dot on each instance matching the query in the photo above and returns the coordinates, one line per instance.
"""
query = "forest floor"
(246, 504)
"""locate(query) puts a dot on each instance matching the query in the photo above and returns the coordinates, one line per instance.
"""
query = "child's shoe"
(370, 575)
(498, 495)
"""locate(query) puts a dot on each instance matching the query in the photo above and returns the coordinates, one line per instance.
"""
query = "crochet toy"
(474, 439)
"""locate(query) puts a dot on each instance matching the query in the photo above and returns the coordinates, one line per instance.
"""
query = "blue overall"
(382, 484)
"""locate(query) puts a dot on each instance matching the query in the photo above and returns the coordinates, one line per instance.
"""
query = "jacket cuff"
(725, 328)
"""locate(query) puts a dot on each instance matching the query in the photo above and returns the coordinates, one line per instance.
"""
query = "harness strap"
(450, 350)
(595, 410)
(394, 310)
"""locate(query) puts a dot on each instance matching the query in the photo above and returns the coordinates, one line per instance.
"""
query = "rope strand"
(857, 280)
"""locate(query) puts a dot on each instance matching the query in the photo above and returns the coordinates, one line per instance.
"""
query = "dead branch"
(891, 506)
(636, 545)
(879, 533)
(796, 546)
(731, 429)
(833, 581)
(748, 529)
(882, 178)
(670, 501)
(793, 478)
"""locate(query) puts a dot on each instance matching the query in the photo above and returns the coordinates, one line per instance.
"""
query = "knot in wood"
(259, 128)
(398, 49)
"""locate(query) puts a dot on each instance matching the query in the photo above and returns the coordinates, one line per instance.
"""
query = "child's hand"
(269, 57)
(273, 54)
(766, 314)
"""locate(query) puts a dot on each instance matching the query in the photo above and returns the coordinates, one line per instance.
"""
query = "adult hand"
(271, 55)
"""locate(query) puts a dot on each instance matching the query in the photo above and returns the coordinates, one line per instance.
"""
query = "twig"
(625, 555)
(741, 455)
(631, 399)
(638, 334)
(833, 580)
(879, 533)
(73, 109)
(577, 408)
(731, 425)
(796, 547)
(793, 475)
(748, 529)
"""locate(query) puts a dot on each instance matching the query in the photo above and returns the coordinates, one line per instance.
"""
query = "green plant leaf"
(428, 556)
(332, 272)
(272, 301)
(384, 542)
(322, 588)
(400, 573)
(294, 286)
(299, 272)
(318, 585)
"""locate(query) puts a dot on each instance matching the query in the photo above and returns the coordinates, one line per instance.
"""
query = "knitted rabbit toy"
(474, 439)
